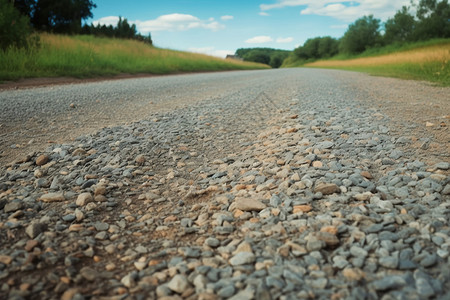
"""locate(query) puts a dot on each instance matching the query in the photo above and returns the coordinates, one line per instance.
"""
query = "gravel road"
(275, 184)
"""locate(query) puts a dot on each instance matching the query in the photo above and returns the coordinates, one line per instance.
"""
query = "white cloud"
(171, 22)
(342, 10)
(264, 14)
(285, 40)
(211, 51)
(112, 20)
(226, 18)
(259, 39)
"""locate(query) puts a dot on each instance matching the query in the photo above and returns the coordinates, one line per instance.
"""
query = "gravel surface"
(280, 184)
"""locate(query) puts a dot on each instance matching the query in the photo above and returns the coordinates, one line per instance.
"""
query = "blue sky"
(219, 27)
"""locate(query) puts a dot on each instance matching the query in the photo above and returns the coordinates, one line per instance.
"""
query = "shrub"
(15, 29)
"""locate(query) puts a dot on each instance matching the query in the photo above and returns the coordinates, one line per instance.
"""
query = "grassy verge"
(428, 61)
(88, 56)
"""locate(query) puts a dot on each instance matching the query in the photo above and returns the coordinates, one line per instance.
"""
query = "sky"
(219, 27)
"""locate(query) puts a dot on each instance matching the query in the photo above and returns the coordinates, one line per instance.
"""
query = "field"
(429, 62)
(88, 56)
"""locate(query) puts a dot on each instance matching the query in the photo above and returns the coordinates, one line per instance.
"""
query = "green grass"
(89, 56)
(429, 61)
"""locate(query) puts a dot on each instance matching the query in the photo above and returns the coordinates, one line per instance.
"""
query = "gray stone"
(227, 291)
(242, 258)
(212, 242)
(389, 283)
(389, 262)
(34, 229)
(89, 273)
(13, 206)
(358, 251)
(178, 284)
(69, 218)
(101, 226)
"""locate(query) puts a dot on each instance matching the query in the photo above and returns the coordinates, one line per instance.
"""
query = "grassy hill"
(428, 61)
(89, 56)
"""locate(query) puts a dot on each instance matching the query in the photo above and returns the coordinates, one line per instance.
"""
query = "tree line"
(431, 20)
(20, 18)
(268, 56)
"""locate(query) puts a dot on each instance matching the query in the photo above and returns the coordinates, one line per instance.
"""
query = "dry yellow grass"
(437, 53)
(89, 56)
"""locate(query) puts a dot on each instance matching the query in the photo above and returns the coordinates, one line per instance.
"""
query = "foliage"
(361, 35)
(433, 20)
(320, 47)
(400, 28)
(62, 16)
(15, 29)
(122, 30)
(268, 56)
(90, 56)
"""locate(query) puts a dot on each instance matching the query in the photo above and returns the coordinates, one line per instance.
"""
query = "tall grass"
(89, 56)
(428, 61)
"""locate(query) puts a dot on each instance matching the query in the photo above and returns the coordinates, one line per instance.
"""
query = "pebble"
(242, 258)
(249, 204)
(178, 284)
(84, 198)
(42, 159)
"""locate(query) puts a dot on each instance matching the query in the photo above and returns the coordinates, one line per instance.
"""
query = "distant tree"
(400, 28)
(277, 58)
(328, 47)
(319, 47)
(268, 56)
(433, 19)
(124, 30)
(15, 28)
(361, 35)
(259, 56)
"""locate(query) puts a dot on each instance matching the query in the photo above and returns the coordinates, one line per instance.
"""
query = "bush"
(15, 29)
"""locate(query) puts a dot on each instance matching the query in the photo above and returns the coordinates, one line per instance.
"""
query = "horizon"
(217, 28)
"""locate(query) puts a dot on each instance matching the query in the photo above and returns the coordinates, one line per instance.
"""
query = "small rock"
(353, 274)
(42, 159)
(389, 283)
(34, 229)
(327, 188)
(249, 204)
(389, 262)
(89, 273)
(178, 284)
(242, 258)
(83, 199)
(52, 197)
(301, 208)
(212, 242)
(328, 238)
(13, 206)
(5, 259)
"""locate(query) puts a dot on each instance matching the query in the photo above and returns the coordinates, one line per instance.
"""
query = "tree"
(259, 56)
(124, 30)
(15, 28)
(319, 47)
(62, 16)
(328, 47)
(361, 35)
(277, 58)
(434, 20)
(400, 28)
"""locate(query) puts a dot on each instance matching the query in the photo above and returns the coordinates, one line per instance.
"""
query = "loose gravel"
(295, 186)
